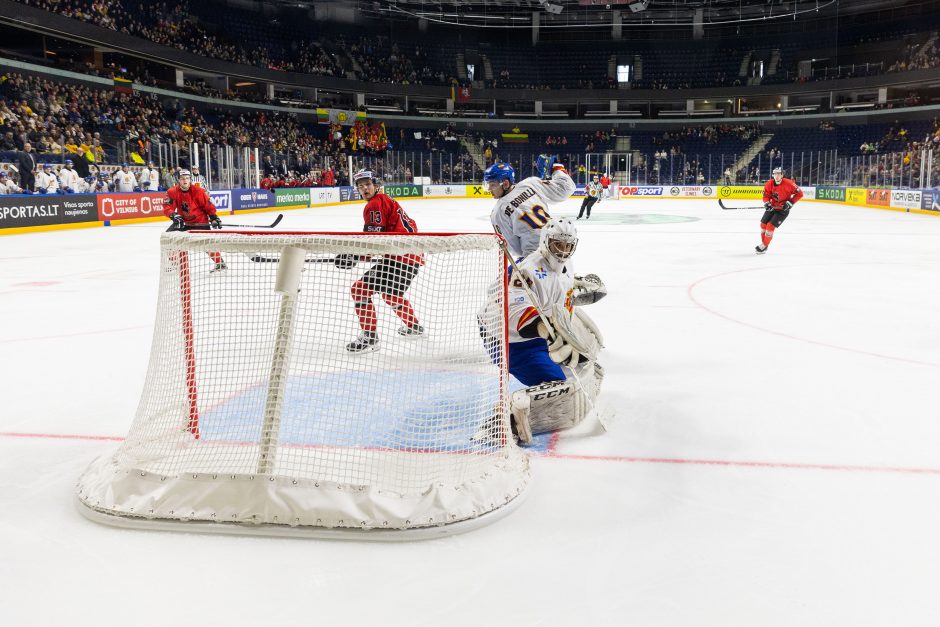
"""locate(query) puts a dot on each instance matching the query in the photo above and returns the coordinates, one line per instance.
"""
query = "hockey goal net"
(256, 417)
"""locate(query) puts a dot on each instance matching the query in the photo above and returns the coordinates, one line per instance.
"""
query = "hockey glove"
(768, 206)
(344, 262)
(559, 350)
(136, 189)
(69, 190)
(215, 222)
(588, 289)
(787, 205)
(41, 190)
(178, 224)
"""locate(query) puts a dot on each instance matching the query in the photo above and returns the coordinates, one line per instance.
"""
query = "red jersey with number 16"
(778, 195)
(383, 214)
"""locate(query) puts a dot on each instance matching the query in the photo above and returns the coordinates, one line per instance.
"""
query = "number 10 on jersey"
(537, 218)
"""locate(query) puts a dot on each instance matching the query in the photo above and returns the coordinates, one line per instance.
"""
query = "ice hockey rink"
(774, 458)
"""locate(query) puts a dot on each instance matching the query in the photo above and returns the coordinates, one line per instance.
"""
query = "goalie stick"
(603, 421)
(722, 205)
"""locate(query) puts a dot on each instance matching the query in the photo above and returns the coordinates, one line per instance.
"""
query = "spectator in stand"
(169, 178)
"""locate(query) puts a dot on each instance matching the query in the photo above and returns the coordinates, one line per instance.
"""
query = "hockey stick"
(722, 205)
(277, 221)
(263, 259)
(603, 421)
(208, 227)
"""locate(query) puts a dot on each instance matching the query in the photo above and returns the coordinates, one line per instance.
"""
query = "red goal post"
(256, 419)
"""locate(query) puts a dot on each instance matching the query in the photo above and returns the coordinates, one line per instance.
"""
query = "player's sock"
(768, 234)
(366, 312)
(402, 309)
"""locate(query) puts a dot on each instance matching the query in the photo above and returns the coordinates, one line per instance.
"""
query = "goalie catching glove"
(588, 289)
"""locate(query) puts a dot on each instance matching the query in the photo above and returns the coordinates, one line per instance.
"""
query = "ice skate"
(365, 343)
(411, 331)
(760, 249)
(219, 267)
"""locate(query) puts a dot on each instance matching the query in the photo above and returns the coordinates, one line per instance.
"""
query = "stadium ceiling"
(599, 13)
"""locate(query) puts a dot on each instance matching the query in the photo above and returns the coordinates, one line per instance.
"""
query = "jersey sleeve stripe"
(527, 316)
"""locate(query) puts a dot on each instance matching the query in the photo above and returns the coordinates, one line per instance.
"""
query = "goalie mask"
(558, 242)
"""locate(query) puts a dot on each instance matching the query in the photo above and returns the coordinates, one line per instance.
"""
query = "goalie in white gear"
(522, 209)
(553, 345)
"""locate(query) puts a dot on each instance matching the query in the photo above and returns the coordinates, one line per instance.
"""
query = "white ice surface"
(775, 459)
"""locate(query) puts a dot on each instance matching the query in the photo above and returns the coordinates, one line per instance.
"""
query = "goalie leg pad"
(559, 404)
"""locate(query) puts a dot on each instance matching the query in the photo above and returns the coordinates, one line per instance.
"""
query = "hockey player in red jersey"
(390, 276)
(780, 194)
(189, 206)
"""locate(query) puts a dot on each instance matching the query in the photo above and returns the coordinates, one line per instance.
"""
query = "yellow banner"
(741, 192)
(855, 196)
(478, 191)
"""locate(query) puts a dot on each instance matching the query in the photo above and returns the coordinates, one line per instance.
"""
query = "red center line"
(552, 453)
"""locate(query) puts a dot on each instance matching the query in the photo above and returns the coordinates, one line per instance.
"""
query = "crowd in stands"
(174, 23)
(171, 24)
(912, 59)
(710, 134)
(902, 166)
(383, 61)
(85, 124)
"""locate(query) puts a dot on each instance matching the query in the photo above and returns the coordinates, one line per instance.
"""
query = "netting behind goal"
(255, 415)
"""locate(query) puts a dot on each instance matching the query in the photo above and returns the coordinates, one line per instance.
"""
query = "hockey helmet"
(499, 172)
(68, 163)
(777, 170)
(3, 173)
(596, 178)
(47, 166)
(363, 175)
(558, 241)
(184, 173)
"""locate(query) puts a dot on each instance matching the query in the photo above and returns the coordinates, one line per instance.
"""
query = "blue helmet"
(499, 172)
(68, 162)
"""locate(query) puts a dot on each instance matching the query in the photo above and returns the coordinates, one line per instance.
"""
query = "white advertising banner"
(906, 198)
(458, 191)
(323, 195)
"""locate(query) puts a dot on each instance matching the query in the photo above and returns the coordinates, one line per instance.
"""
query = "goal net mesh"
(255, 412)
